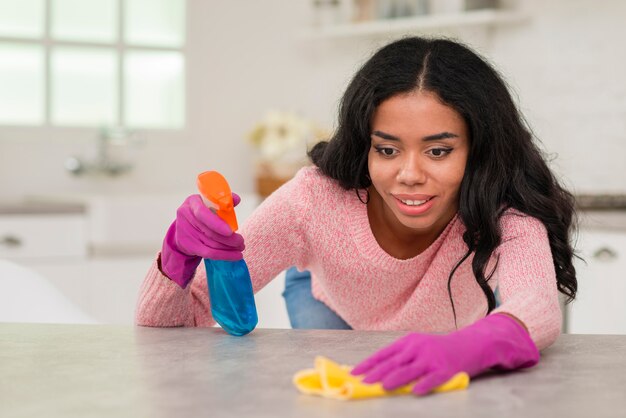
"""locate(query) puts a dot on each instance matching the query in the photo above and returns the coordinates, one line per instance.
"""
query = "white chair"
(26, 296)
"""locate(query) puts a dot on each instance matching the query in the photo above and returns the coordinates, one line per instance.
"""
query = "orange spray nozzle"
(216, 192)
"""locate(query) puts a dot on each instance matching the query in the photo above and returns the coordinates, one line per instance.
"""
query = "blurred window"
(93, 63)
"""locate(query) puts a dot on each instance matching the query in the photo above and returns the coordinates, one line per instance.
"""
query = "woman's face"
(416, 161)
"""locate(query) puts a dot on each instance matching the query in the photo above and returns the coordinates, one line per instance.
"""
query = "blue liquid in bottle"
(232, 298)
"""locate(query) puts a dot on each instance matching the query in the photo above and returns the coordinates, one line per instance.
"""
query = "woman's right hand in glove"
(197, 233)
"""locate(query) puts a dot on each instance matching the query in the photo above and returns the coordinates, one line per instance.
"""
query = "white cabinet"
(42, 236)
(36, 236)
(105, 288)
(50, 243)
(600, 307)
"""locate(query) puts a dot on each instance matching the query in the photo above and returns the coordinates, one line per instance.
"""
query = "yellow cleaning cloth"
(334, 381)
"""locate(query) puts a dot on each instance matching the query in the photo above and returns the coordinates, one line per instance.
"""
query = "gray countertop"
(117, 371)
(598, 201)
(30, 208)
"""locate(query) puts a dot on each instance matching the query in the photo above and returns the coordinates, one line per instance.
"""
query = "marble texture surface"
(123, 371)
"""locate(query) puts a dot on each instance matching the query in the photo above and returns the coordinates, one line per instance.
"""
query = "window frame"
(120, 48)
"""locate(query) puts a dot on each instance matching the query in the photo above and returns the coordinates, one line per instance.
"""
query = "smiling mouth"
(414, 202)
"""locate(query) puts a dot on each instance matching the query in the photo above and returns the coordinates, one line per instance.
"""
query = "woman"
(430, 196)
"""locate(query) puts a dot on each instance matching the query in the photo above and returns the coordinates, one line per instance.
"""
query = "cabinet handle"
(10, 241)
(605, 254)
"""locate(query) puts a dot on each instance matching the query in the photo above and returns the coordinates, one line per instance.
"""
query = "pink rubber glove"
(495, 341)
(197, 233)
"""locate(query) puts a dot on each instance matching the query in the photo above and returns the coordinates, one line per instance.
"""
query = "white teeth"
(414, 202)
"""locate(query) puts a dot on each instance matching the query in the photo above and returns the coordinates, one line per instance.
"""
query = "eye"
(440, 152)
(386, 151)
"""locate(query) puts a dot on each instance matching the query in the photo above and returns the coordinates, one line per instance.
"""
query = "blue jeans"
(306, 312)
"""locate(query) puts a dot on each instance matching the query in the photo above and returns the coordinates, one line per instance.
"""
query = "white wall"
(246, 56)
(568, 66)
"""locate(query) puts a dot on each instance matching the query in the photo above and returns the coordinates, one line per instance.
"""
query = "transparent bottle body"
(232, 298)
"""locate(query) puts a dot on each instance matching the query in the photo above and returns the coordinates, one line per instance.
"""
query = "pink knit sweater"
(314, 224)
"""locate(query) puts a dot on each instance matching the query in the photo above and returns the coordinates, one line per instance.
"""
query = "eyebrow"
(434, 137)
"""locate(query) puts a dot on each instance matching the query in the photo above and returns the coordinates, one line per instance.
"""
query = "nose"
(411, 171)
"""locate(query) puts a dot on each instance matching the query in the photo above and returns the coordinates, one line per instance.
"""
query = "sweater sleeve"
(274, 240)
(276, 235)
(163, 303)
(527, 279)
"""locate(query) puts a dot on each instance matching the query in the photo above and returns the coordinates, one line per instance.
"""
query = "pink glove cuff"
(176, 266)
(512, 346)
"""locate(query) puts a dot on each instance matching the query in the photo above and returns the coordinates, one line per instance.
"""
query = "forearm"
(516, 320)
(540, 315)
(163, 303)
(526, 279)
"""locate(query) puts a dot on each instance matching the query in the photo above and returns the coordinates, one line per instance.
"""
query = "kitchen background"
(104, 126)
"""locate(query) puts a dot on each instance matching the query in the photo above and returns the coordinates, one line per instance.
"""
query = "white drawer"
(599, 305)
(43, 236)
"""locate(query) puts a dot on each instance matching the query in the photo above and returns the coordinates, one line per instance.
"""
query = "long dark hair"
(505, 168)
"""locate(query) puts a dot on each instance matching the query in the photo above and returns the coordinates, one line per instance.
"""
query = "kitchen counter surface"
(124, 371)
(602, 211)
(45, 208)
(600, 201)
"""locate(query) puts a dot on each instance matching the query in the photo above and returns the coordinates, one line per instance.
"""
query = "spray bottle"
(230, 288)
